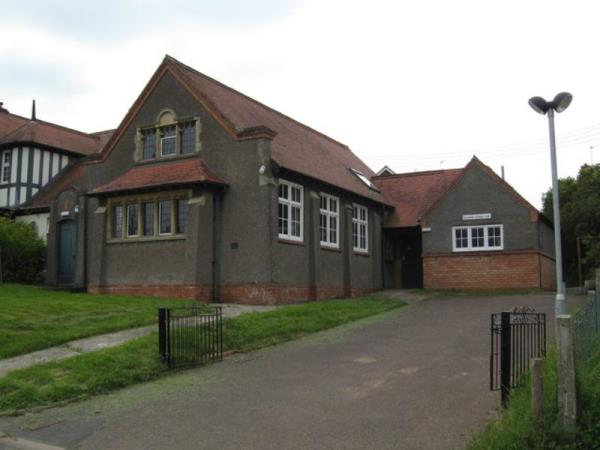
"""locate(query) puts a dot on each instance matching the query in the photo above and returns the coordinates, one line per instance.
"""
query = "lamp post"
(558, 104)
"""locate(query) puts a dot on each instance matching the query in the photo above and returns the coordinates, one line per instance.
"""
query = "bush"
(23, 252)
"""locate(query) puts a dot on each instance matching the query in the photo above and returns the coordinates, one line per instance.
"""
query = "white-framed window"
(360, 228)
(291, 211)
(6, 162)
(330, 221)
(168, 141)
(477, 238)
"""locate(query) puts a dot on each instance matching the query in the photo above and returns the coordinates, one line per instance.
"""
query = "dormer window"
(362, 177)
(169, 137)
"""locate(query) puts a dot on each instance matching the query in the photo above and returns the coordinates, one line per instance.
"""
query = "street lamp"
(559, 104)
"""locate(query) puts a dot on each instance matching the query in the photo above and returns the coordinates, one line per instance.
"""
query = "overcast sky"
(416, 85)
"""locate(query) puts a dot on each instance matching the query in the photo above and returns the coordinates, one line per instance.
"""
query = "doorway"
(66, 252)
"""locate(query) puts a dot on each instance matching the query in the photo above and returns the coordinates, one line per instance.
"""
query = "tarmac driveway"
(415, 378)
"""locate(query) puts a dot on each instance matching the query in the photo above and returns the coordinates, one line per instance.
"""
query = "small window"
(329, 221)
(148, 218)
(182, 215)
(362, 177)
(168, 141)
(290, 211)
(117, 221)
(132, 220)
(360, 228)
(188, 138)
(149, 150)
(6, 162)
(164, 210)
(477, 238)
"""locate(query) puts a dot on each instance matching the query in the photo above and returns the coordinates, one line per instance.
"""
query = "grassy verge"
(137, 361)
(34, 318)
(516, 428)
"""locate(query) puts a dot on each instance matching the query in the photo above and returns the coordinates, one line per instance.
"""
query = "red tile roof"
(295, 146)
(72, 178)
(412, 194)
(15, 129)
(173, 173)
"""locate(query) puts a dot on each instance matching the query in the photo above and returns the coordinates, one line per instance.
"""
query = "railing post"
(567, 403)
(162, 338)
(505, 357)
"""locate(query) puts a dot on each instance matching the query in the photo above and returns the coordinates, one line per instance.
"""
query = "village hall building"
(204, 193)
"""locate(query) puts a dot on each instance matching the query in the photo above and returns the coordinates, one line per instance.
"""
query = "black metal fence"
(586, 329)
(189, 336)
(516, 337)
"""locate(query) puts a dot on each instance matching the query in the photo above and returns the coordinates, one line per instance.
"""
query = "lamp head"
(561, 101)
(539, 105)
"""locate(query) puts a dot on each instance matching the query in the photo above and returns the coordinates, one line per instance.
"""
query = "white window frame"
(486, 247)
(329, 214)
(6, 164)
(289, 203)
(163, 139)
(358, 221)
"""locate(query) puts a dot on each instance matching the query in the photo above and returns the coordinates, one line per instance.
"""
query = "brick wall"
(251, 294)
(489, 270)
(547, 272)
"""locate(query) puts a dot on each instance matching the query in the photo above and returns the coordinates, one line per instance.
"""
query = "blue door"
(66, 252)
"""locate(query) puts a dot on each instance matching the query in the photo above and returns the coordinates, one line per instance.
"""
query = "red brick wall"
(547, 272)
(251, 294)
(474, 271)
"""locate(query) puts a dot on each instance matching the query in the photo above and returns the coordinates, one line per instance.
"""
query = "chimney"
(503, 172)
(2, 109)
(33, 111)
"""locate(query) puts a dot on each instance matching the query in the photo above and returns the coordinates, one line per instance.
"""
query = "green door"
(66, 252)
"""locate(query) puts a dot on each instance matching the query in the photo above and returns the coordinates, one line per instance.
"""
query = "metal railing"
(516, 337)
(189, 336)
(586, 328)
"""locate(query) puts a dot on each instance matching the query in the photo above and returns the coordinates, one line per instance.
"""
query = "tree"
(580, 217)
(23, 253)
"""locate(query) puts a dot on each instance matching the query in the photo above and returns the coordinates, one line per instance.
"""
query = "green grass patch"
(33, 318)
(516, 430)
(137, 361)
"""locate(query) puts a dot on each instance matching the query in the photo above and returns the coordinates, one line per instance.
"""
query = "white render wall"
(30, 170)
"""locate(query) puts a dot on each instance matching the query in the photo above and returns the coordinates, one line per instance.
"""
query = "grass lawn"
(516, 428)
(137, 361)
(33, 318)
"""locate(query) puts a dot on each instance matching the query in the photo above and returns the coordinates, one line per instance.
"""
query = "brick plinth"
(488, 271)
(251, 294)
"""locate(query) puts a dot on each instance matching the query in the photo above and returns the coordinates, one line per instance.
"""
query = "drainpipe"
(215, 247)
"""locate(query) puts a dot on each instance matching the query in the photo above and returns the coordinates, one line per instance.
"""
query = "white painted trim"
(486, 247)
(358, 221)
(329, 214)
(35, 176)
(292, 204)
(24, 166)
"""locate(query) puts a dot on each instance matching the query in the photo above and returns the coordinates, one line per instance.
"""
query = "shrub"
(23, 252)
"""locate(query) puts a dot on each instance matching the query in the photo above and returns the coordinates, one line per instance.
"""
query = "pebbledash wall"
(526, 259)
(231, 250)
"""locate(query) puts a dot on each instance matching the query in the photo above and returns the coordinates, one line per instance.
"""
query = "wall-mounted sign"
(481, 216)
(64, 213)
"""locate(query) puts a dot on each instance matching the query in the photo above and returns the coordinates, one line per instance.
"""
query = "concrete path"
(103, 341)
(415, 378)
